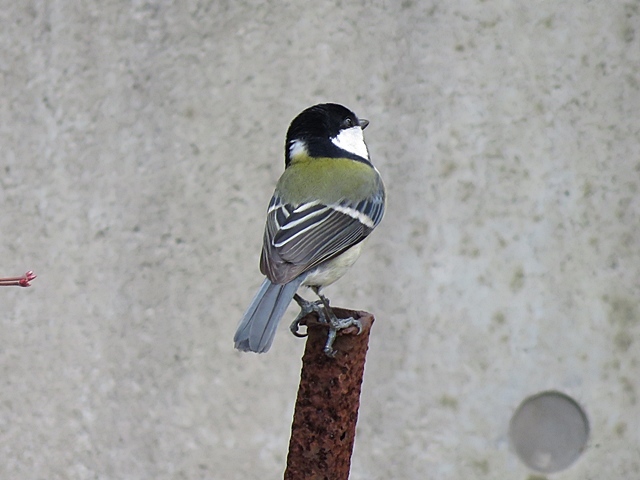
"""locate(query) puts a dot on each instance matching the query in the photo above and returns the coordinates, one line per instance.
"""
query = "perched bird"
(328, 200)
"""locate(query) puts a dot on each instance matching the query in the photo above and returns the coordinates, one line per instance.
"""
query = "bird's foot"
(306, 308)
(325, 315)
(335, 325)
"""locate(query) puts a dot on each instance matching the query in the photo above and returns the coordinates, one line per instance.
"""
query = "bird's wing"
(298, 238)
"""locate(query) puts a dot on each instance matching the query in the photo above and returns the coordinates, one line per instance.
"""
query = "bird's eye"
(348, 123)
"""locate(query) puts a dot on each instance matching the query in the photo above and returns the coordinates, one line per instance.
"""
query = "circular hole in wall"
(549, 431)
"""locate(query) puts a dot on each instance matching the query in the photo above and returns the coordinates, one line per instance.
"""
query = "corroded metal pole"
(324, 422)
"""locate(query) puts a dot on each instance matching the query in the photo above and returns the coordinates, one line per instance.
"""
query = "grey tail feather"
(259, 324)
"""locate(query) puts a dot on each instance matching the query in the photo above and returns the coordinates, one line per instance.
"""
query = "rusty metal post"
(326, 411)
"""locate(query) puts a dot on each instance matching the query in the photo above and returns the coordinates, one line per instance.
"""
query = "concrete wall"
(140, 145)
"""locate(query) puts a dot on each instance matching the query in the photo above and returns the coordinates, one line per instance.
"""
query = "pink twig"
(22, 281)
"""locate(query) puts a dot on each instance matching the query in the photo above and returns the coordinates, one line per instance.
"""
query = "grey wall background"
(140, 145)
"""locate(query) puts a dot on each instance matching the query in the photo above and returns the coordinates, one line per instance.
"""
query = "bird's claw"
(295, 329)
(325, 315)
(306, 308)
(335, 325)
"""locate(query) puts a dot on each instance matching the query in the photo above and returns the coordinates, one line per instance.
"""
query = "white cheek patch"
(297, 147)
(352, 140)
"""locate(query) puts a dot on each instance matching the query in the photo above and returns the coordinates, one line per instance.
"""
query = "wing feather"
(298, 238)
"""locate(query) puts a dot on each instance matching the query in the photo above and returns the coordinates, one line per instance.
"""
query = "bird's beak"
(363, 123)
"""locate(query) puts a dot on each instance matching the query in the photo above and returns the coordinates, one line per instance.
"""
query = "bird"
(329, 198)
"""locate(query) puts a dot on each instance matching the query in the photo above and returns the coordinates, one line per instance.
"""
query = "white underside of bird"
(332, 270)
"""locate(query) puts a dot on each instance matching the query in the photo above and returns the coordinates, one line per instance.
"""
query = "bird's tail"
(259, 323)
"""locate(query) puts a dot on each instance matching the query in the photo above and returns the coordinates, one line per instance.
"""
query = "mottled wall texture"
(140, 143)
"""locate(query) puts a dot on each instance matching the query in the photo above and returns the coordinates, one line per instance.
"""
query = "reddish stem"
(22, 281)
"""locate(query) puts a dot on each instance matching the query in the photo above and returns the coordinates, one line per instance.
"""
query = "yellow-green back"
(332, 179)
